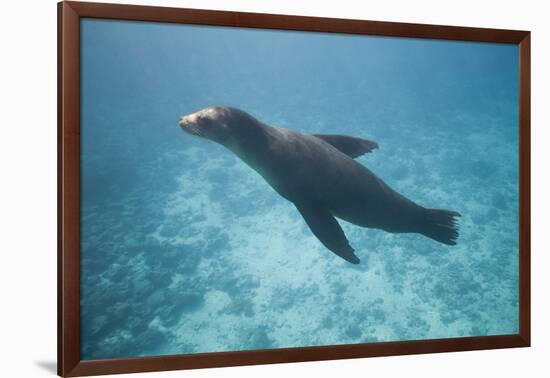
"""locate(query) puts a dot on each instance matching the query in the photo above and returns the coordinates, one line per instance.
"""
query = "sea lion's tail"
(441, 225)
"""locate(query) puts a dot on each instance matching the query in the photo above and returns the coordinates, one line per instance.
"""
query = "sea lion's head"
(227, 126)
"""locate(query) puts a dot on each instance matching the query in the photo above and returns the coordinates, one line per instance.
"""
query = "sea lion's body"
(304, 168)
(319, 175)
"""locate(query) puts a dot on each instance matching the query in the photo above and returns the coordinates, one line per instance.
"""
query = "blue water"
(185, 249)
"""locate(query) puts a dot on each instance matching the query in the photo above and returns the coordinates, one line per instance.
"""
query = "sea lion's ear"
(351, 146)
(323, 225)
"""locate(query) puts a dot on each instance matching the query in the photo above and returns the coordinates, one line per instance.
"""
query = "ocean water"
(185, 249)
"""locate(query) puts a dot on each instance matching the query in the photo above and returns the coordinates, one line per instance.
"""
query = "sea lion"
(319, 175)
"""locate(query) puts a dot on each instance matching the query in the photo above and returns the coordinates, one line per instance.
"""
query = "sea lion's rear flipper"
(351, 146)
(440, 225)
(323, 225)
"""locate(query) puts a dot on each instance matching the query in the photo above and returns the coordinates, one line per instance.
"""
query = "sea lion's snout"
(219, 124)
(187, 120)
(189, 123)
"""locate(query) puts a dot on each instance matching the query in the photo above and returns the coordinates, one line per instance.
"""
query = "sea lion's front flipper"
(323, 225)
(351, 146)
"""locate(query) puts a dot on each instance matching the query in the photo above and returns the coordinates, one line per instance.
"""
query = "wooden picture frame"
(69, 16)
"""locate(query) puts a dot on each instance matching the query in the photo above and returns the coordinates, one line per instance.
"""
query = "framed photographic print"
(239, 188)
